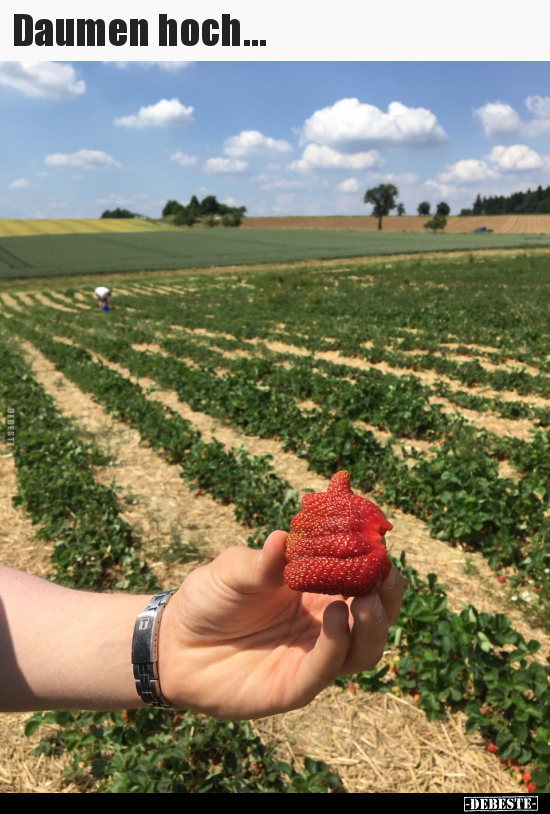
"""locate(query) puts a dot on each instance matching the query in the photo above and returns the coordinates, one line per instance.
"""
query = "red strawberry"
(531, 787)
(484, 711)
(501, 579)
(526, 777)
(492, 748)
(336, 543)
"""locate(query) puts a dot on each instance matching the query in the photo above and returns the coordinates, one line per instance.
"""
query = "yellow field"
(13, 227)
(500, 224)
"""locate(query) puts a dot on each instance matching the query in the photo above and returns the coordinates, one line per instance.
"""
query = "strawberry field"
(197, 412)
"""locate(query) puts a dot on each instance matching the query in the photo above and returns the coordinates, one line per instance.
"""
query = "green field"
(429, 382)
(53, 255)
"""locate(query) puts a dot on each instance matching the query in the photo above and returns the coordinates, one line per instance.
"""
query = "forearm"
(65, 649)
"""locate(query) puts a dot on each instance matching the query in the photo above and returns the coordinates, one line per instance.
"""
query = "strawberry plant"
(150, 751)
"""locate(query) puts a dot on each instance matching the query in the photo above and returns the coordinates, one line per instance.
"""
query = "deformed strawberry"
(336, 543)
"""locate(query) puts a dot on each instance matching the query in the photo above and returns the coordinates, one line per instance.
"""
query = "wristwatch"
(145, 650)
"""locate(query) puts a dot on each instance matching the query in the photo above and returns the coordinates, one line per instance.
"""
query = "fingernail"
(393, 578)
(376, 609)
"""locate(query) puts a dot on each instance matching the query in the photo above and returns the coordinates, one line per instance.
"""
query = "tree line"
(532, 202)
(209, 211)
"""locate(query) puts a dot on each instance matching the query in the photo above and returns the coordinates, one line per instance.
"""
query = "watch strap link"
(145, 650)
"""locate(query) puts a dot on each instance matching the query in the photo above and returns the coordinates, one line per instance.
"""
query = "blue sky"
(280, 138)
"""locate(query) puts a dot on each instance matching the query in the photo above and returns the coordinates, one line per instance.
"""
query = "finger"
(247, 571)
(324, 662)
(368, 634)
(391, 594)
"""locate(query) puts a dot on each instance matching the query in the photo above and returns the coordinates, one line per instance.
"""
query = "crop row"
(173, 309)
(457, 489)
(247, 313)
(138, 751)
(157, 307)
(469, 661)
(93, 546)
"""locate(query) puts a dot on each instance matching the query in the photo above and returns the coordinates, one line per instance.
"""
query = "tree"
(400, 209)
(210, 206)
(194, 207)
(424, 208)
(437, 222)
(443, 209)
(119, 213)
(232, 220)
(186, 217)
(478, 207)
(382, 198)
(171, 208)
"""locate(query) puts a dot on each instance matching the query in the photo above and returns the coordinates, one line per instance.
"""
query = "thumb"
(247, 571)
(325, 661)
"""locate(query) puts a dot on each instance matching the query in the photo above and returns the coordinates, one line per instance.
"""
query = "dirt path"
(17, 547)
(154, 499)
(11, 302)
(520, 428)
(468, 578)
(67, 300)
(52, 304)
(24, 297)
(383, 744)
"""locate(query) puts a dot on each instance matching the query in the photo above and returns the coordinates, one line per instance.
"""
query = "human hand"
(236, 642)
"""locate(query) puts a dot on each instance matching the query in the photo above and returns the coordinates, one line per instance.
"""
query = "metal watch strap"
(145, 650)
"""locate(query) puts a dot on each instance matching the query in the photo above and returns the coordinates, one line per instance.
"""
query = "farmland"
(19, 227)
(72, 254)
(198, 412)
(500, 224)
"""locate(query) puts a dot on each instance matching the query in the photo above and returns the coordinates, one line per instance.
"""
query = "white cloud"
(498, 118)
(467, 171)
(231, 201)
(349, 185)
(444, 190)
(171, 67)
(49, 80)
(183, 159)
(539, 106)
(253, 142)
(515, 158)
(166, 113)
(82, 160)
(225, 165)
(316, 156)
(401, 179)
(268, 181)
(20, 183)
(351, 125)
(42, 174)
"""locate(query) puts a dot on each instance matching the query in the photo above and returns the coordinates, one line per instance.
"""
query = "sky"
(281, 138)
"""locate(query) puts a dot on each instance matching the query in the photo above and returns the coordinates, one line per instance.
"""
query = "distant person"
(104, 297)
